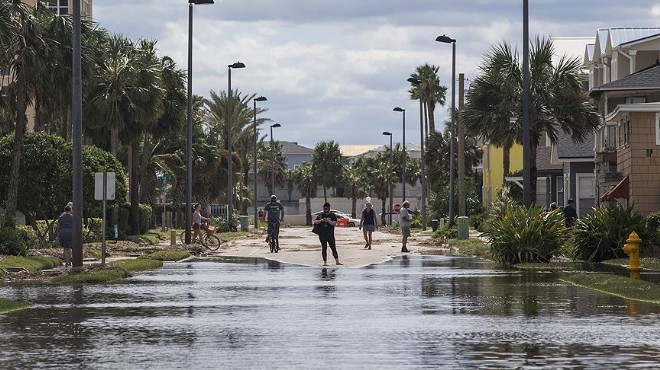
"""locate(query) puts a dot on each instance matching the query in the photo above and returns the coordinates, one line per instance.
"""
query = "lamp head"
(387, 133)
(200, 2)
(397, 109)
(444, 38)
(261, 98)
(276, 125)
(237, 65)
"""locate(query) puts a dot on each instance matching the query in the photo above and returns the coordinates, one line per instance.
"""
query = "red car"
(343, 220)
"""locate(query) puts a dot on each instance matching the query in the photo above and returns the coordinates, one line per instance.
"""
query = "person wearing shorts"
(65, 233)
(368, 223)
(405, 225)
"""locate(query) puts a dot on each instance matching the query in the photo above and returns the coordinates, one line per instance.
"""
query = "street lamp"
(254, 111)
(189, 131)
(389, 176)
(422, 180)
(403, 174)
(272, 153)
(230, 175)
(452, 129)
(527, 150)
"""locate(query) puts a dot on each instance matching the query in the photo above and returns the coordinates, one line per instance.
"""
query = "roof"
(543, 159)
(619, 36)
(645, 79)
(289, 147)
(567, 148)
(353, 150)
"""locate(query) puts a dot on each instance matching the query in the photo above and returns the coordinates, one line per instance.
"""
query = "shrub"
(523, 234)
(13, 241)
(653, 229)
(446, 232)
(600, 236)
(416, 223)
(30, 236)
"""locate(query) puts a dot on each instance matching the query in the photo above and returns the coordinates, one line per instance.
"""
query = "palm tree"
(326, 163)
(429, 90)
(306, 184)
(355, 184)
(26, 49)
(559, 100)
(271, 162)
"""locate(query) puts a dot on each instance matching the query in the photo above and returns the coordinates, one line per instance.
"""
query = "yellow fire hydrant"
(631, 248)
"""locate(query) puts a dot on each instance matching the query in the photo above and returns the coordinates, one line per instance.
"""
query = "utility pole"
(461, 147)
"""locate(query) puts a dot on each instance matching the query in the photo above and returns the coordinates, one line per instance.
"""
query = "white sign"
(109, 186)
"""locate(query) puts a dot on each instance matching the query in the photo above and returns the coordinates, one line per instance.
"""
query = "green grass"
(31, 264)
(7, 305)
(137, 264)
(620, 286)
(471, 247)
(176, 255)
(551, 266)
(96, 276)
(648, 264)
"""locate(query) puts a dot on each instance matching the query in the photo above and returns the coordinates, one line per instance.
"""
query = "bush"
(600, 236)
(416, 223)
(446, 232)
(30, 236)
(653, 229)
(523, 234)
(13, 241)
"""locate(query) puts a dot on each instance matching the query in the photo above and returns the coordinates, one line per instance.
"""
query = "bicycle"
(273, 236)
(208, 240)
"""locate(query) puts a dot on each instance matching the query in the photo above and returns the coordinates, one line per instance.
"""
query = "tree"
(559, 100)
(326, 164)
(355, 185)
(306, 184)
(271, 162)
(430, 90)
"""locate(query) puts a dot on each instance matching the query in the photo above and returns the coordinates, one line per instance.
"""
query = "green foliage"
(176, 255)
(123, 225)
(653, 229)
(7, 305)
(29, 235)
(620, 286)
(97, 276)
(13, 241)
(523, 234)
(137, 264)
(222, 225)
(470, 247)
(446, 232)
(602, 234)
(416, 223)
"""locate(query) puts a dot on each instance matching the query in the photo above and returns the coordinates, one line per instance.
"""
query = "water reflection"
(412, 312)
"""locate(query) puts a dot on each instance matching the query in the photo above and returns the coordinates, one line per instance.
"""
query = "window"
(610, 137)
(560, 191)
(624, 132)
(635, 99)
(60, 7)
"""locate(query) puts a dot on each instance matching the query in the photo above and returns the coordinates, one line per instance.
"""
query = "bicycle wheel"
(182, 237)
(212, 242)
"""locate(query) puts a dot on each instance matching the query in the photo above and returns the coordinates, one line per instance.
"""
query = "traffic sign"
(397, 207)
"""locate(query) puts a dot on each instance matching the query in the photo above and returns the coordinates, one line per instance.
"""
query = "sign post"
(104, 189)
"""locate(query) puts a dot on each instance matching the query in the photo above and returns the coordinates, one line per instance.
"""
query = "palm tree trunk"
(308, 210)
(430, 108)
(12, 188)
(533, 172)
(134, 187)
(506, 162)
(382, 215)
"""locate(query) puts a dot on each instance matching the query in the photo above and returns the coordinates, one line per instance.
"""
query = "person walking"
(570, 214)
(327, 233)
(368, 223)
(65, 233)
(404, 216)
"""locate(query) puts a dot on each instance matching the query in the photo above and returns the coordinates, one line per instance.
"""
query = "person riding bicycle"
(198, 219)
(274, 215)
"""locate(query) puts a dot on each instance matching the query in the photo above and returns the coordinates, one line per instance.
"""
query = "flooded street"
(412, 312)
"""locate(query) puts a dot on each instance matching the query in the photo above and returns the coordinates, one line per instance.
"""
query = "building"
(625, 82)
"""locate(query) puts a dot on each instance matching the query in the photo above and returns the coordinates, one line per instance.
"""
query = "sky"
(334, 70)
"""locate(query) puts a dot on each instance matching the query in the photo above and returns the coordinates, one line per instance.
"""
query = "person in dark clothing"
(327, 233)
(65, 233)
(570, 214)
(368, 224)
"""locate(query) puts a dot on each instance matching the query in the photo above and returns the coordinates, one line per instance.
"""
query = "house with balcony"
(625, 83)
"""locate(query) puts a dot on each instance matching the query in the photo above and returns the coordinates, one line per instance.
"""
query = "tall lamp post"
(422, 180)
(527, 150)
(272, 156)
(405, 156)
(230, 174)
(76, 158)
(254, 111)
(389, 176)
(189, 131)
(452, 129)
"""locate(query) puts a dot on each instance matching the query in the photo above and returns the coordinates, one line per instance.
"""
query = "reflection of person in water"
(405, 261)
(326, 286)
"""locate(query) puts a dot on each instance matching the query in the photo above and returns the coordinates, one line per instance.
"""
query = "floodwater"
(410, 313)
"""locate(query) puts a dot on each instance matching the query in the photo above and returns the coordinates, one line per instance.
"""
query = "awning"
(620, 190)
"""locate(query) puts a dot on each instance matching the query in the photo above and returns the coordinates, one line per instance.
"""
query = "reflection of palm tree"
(306, 183)
(429, 90)
(558, 100)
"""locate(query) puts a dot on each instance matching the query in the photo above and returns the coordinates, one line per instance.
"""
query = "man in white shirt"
(404, 221)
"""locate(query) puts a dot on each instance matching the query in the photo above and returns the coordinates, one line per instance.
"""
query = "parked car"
(343, 220)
